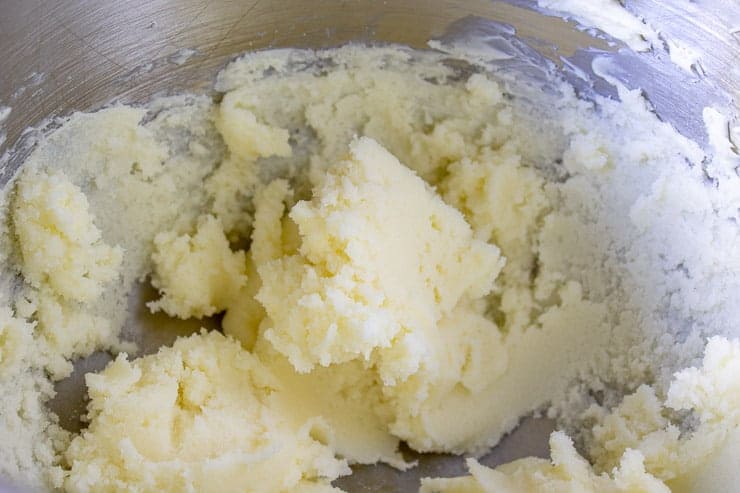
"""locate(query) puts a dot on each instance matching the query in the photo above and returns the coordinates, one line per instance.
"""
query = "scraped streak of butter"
(682, 55)
(726, 153)
(609, 16)
(403, 249)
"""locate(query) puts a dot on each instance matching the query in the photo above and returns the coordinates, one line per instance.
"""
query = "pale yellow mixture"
(401, 254)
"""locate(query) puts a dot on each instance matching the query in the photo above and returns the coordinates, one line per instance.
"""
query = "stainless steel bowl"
(58, 57)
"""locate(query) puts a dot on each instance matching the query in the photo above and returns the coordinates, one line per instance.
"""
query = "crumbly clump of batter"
(197, 416)
(401, 251)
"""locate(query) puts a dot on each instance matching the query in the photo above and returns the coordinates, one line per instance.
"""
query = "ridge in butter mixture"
(402, 249)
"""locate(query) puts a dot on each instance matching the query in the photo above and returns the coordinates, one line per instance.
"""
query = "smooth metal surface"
(59, 57)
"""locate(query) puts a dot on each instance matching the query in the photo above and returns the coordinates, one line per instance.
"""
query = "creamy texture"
(15, 335)
(198, 275)
(61, 246)
(637, 448)
(403, 249)
(565, 472)
(66, 265)
(382, 259)
(197, 416)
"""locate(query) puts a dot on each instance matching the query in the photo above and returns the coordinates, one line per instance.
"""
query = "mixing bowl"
(59, 57)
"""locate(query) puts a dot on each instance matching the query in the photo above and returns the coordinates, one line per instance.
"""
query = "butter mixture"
(396, 247)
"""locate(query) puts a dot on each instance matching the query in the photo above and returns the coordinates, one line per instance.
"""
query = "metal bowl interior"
(58, 57)
(71, 55)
